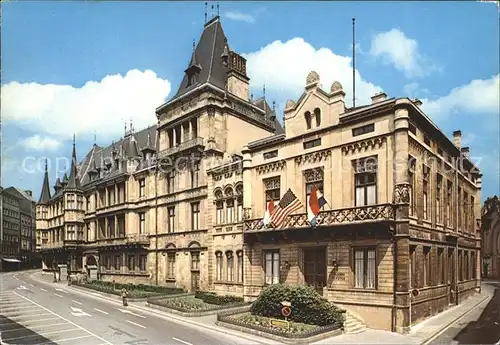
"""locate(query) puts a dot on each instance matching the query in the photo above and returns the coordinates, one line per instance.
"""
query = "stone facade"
(490, 238)
(396, 242)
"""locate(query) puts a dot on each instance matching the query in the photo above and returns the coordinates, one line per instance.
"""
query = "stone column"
(182, 133)
(401, 199)
(116, 225)
(174, 137)
(247, 181)
(191, 134)
(106, 235)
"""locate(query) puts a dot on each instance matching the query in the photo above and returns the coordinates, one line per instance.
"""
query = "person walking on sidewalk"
(124, 297)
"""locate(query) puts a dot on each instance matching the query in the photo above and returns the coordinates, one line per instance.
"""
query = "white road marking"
(32, 285)
(15, 315)
(42, 334)
(57, 295)
(182, 341)
(8, 305)
(125, 311)
(74, 324)
(67, 339)
(22, 287)
(133, 323)
(34, 320)
(80, 303)
(78, 312)
(61, 290)
(30, 327)
(101, 311)
(43, 289)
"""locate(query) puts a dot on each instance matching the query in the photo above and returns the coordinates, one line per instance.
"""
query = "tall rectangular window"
(142, 262)
(230, 211)
(195, 175)
(230, 267)
(439, 191)
(171, 219)
(142, 188)
(131, 263)
(365, 269)
(239, 209)
(170, 181)
(472, 215)
(313, 177)
(272, 266)
(272, 190)
(70, 201)
(411, 178)
(365, 180)
(171, 265)
(427, 266)
(449, 196)
(218, 266)
(442, 266)
(118, 262)
(460, 266)
(195, 261)
(425, 189)
(142, 222)
(239, 254)
(465, 210)
(195, 216)
(413, 267)
(466, 264)
(219, 215)
(473, 264)
(460, 208)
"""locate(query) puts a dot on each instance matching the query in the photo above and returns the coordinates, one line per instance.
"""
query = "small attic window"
(308, 118)
(317, 115)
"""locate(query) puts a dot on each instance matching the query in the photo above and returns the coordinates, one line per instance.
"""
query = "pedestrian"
(124, 297)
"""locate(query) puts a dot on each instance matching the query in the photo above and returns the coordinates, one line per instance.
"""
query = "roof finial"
(251, 96)
(264, 91)
(213, 10)
(74, 139)
(206, 6)
(46, 164)
(125, 127)
(194, 44)
(95, 138)
(131, 126)
(274, 106)
(217, 8)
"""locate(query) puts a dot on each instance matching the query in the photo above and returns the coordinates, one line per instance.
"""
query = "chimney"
(457, 136)
(28, 192)
(379, 97)
(465, 151)
(417, 102)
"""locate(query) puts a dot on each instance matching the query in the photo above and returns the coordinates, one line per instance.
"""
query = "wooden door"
(195, 281)
(315, 268)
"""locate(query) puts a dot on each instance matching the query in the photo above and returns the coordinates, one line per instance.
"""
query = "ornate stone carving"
(402, 193)
(336, 86)
(312, 77)
(272, 183)
(365, 145)
(274, 166)
(313, 157)
(246, 213)
(290, 104)
(313, 175)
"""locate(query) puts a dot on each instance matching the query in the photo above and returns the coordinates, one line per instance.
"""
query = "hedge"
(139, 290)
(307, 305)
(213, 298)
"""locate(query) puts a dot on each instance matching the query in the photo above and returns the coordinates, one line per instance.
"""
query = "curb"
(442, 329)
(171, 317)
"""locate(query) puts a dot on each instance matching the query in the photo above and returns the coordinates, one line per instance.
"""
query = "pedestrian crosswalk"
(23, 321)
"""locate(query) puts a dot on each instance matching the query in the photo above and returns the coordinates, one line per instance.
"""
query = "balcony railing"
(124, 240)
(352, 215)
(196, 142)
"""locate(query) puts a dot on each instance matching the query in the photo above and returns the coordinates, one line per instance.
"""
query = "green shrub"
(139, 289)
(213, 298)
(307, 305)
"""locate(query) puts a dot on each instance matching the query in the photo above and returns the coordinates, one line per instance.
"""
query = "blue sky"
(86, 67)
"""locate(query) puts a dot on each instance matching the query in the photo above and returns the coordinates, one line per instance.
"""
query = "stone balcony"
(328, 218)
(125, 240)
(182, 147)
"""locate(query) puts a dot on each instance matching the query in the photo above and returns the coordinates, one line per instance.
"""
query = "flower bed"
(134, 291)
(264, 324)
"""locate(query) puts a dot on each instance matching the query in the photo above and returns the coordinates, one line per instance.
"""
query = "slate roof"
(208, 56)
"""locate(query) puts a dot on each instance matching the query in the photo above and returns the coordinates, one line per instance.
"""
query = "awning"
(10, 260)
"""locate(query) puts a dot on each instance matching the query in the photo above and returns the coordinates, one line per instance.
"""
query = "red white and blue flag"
(267, 215)
(287, 205)
(315, 204)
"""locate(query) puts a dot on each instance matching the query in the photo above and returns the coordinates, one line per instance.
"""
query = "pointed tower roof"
(132, 150)
(45, 195)
(58, 183)
(148, 146)
(208, 57)
(74, 181)
(65, 179)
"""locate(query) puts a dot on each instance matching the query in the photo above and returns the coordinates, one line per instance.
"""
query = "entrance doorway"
(315, 268)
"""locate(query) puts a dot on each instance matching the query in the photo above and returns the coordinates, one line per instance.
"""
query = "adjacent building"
(10, 231)
(181, 203)
(490, 238)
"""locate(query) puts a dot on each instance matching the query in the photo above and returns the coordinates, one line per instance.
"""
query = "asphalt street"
(480, 326)
(36, 313)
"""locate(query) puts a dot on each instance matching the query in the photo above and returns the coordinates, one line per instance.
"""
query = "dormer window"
(317, 115)
(307, 115)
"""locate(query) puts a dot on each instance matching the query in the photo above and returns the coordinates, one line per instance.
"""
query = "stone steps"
(352, 324)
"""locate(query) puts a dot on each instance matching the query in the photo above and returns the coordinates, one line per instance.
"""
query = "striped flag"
(288, 204)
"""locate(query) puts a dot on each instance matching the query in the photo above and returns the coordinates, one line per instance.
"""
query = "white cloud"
(283, 68)
(37, 143)
(479, 96)
(61, 110)
(239, 16)
(402, 52)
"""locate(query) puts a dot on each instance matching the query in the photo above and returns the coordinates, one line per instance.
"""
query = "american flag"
(288, 204)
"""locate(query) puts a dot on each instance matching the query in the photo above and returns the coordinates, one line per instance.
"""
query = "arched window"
(219, 215)
(307, 115)
(230, 266)
(239, 209)
(218, 266)
(239, 255)
(230, 210)
(317, 115)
